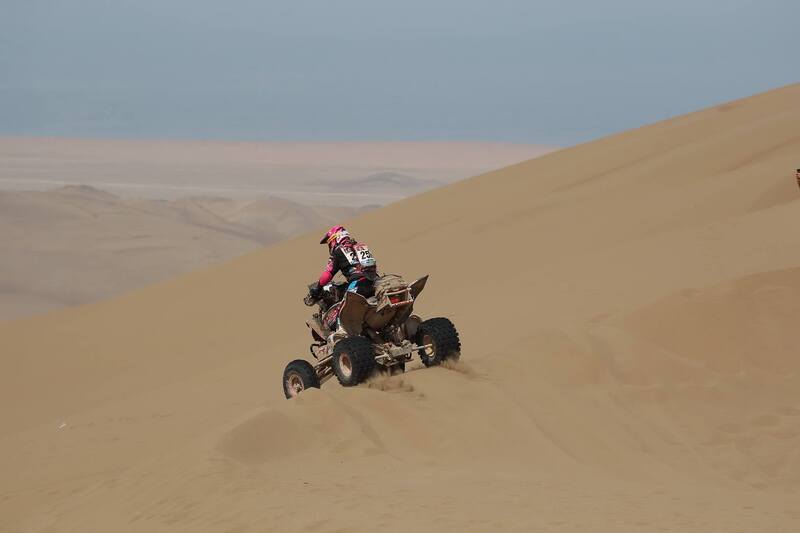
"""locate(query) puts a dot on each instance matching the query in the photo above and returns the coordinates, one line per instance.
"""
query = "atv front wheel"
(442, 338)
(298, 376)
(353, 360)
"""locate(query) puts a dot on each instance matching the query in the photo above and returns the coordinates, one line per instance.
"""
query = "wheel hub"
(346, 365)
(294, 384)
(430, 352)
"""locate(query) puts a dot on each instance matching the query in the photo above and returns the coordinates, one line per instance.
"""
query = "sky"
(546, 72)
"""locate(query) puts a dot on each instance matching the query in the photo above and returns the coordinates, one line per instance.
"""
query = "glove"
(315, 291)
(314, 294)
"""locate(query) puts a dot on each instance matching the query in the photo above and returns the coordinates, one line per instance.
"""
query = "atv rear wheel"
(298, 376)
(353, 360)
(442, 337)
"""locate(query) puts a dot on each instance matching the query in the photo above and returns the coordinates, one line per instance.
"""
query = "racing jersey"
(353, 260)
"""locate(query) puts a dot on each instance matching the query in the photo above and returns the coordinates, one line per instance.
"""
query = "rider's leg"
(353, 286)
(362, 286)
(337, 333)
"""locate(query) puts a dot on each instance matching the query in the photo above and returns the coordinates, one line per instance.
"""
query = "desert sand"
(628, 310)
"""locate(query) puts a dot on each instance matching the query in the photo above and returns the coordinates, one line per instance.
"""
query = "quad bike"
(354, 336)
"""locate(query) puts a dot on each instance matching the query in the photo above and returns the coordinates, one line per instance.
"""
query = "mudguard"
(318, 331)
(357, 310)
(351, 317)
(416, 287)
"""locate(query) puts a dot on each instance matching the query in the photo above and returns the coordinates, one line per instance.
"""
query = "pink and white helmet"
(335, 236)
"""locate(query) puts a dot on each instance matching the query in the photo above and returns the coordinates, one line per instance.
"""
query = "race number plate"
(360, 255)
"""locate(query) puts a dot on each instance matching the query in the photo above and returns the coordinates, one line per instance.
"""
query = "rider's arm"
(330, 270)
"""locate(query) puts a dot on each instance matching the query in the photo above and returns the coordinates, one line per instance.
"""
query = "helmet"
(335, 236)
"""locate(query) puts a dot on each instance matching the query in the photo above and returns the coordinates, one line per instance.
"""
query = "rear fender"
(416, 287)
(351, 317)
(412, 326)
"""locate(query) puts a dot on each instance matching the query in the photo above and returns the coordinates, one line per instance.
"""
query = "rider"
(351, 258)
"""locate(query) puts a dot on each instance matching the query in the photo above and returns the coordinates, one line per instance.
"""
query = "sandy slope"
(629, 310)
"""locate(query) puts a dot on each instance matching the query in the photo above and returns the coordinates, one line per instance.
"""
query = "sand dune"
(628, 310)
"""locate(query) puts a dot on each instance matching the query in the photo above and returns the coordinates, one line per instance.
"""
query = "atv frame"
(371, 336)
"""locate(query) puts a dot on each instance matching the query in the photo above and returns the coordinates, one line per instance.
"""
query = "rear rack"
(406, 298)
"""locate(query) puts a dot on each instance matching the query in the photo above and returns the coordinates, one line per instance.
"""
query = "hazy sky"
(554, 72)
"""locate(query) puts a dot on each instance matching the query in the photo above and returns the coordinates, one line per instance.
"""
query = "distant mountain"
(77, 243)
(390, 181)
(284, 217)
